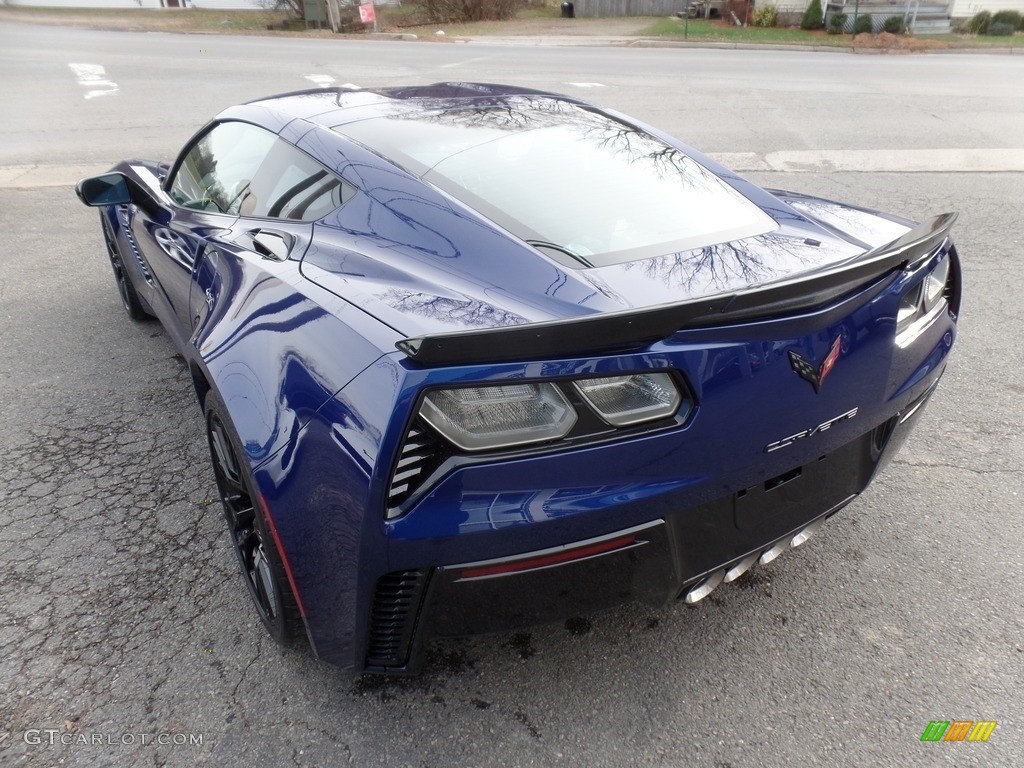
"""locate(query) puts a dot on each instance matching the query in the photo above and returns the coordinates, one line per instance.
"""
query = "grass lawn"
(983, 41)
(152, 19)
(710, 30)
(700, 30)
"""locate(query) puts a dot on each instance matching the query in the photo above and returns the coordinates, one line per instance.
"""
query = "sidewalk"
(623, 41)
(628, 41)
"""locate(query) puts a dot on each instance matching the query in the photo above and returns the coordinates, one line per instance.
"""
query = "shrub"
(863, 24)
(1001, 29)
(1013, 18)
(813, 17)
(979, 23)
(893, 25)
(960, 26)
(766, 16)
(446, 11)
(836, 23)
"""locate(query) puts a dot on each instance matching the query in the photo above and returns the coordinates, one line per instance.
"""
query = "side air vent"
(126, 227)
(396, 604)
(422, 452)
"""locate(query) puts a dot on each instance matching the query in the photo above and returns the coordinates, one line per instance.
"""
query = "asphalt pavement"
(126, 637)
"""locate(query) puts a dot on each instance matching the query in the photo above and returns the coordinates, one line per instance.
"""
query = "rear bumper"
(763, 455)
(685, 552)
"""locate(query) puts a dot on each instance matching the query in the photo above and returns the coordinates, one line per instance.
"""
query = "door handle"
(272, 245)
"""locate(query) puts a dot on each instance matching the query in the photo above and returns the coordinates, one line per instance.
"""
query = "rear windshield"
(586, 189)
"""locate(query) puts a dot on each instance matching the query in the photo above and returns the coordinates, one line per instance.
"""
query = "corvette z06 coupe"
(473, 357)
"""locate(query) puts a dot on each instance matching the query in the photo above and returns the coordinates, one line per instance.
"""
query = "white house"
(965, 8)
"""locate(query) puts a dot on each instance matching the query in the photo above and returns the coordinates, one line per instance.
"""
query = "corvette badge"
(806, 371)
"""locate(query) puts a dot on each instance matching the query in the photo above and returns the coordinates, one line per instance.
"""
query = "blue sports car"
(473, 356)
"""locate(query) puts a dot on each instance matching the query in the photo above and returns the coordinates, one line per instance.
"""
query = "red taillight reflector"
(550, 559)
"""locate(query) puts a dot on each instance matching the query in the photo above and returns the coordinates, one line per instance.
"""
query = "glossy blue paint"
(302, 352)
(720, 450)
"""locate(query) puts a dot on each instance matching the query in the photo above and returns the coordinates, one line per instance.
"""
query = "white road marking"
(94, 77)
(452, 64)
(587, 85)
(322, 81)
(351, 86)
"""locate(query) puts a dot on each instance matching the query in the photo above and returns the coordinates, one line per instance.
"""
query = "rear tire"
(257, 554)
(129, 297)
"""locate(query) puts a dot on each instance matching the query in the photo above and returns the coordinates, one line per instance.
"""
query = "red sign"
(366, 13)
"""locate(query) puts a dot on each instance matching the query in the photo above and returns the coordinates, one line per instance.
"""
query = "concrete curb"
(649, 43)
(32, 176)
(389, 36)
(948, 160)
(645, 42)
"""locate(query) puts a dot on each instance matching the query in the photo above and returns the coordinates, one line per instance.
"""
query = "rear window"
(587, 190)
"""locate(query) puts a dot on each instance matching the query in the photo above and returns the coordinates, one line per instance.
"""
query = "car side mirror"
(108, 189)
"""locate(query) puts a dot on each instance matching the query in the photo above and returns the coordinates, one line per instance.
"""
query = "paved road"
(124, 624)
(164, 86)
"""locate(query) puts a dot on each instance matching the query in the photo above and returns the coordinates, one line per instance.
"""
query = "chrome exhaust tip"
(807, 532)
(705, 588)
(740, 568)
(773, 552)
(726, 576)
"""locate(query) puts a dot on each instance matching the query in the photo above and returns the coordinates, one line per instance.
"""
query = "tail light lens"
(626, 400)
(485, 418)
(922, 303)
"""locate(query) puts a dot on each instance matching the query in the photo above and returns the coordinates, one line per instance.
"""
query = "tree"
(813, 16)
(295, 6)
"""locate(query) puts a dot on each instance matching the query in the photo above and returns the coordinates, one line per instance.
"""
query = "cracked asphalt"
(126, 637)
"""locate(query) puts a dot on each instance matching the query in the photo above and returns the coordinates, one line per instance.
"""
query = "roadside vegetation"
(720, 32)
(455, 18)
(998, 24)
(150, 19)
(764, 31)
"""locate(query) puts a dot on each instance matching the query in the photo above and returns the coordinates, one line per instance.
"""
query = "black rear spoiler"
(635, 329)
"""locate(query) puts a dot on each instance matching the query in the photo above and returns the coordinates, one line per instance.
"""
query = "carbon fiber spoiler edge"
(635, 329)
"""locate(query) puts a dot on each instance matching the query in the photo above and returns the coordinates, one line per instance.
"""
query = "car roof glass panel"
(567, 178)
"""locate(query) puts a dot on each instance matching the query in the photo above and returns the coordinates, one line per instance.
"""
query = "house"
(964, 9)
(928, 15)
(923, 16)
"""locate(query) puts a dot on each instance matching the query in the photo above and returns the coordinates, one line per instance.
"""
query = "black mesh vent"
(422, 452)
(395, 605)
(126, 227)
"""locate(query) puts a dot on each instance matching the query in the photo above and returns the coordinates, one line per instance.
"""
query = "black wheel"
(257, 555)
(129, 298)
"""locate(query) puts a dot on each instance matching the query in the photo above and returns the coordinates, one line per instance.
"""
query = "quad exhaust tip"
(708, 585)
(773, 551)
(705, 587)
(740, 568)
(807, 532)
